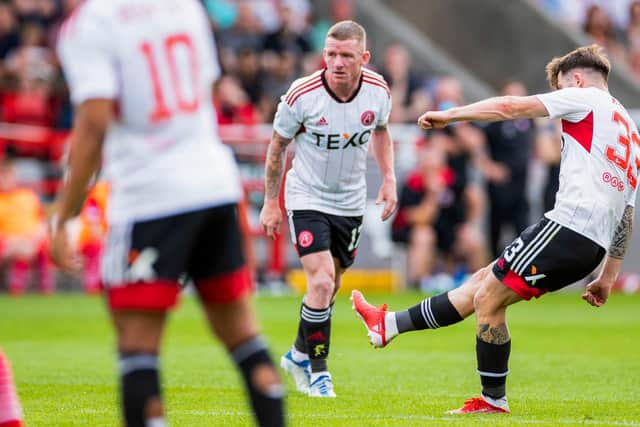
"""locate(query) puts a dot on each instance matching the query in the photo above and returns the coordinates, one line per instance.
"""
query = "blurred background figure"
(23, 233)
(410, 100)
(510, 145)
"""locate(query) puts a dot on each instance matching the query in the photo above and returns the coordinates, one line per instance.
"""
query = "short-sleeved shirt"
(599, 163)
(157, 60)
(331, 141)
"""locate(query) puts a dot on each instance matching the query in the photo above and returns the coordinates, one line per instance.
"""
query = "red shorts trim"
(159, 295)
(225, 288)
(12, 423)
(520, 287)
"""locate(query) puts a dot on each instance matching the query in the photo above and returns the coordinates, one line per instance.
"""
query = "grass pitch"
(571, 365)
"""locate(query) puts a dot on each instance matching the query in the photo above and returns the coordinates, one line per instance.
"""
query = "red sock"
(47, 277)
(92, 252)
(18, 276)
(10, 411)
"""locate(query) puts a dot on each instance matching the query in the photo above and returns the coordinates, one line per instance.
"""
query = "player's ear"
(578, 78)
(366, 56)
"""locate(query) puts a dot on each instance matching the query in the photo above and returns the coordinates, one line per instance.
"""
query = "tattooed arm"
(597, 291)
(271, 216)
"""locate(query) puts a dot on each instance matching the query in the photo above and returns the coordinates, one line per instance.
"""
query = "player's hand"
(597, 292)
(61, 253)
(433, 120)
(387, 195)
(271, 218)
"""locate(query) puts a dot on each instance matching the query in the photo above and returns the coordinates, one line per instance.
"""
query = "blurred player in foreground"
(593, 211)
(141, 75)
(332, 115)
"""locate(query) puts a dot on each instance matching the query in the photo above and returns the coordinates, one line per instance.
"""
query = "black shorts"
(546, 257)
(313, 231)
(143, 262)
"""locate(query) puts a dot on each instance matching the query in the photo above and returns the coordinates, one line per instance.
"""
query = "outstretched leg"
(434, 312)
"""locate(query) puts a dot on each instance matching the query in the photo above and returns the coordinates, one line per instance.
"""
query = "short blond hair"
(347, 30)
(592, 57)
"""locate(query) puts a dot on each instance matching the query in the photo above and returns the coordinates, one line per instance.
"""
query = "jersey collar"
(333, 95)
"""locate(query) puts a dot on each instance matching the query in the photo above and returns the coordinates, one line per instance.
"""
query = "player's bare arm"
(90, 127)
(271, 216)
(598, 291)
(383, 152)
(489, 110)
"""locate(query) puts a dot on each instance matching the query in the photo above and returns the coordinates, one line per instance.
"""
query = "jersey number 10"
(624, 161)
(167, 60)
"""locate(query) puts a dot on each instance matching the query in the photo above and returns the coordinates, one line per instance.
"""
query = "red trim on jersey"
(307, 90)
(581, 131)
(374, 76)
(518, 285)
(375, 83)
(160, 295)
(294, 91)
(225, 288)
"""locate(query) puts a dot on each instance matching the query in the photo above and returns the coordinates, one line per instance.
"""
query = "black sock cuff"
(434, 312)
(315, 315)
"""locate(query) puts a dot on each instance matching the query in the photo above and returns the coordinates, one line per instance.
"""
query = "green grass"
(570, 365)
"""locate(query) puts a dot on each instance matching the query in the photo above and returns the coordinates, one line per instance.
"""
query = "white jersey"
(332, 139)
(599, 164)
(157, 60)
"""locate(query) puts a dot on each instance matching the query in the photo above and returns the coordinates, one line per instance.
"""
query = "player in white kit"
(141, 75)
(333, 116)
(592, 217)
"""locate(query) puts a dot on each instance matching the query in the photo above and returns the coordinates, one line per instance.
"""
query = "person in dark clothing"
(509, 144)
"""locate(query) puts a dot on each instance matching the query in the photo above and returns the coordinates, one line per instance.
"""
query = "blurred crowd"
(613, 24)
(462, 197)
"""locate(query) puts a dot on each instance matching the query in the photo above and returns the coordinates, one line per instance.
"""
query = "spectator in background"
(460, 219)
(409, 99)
(339, 10)
(602, 31)
(277, 82)
(246, 33)
(9, 37)
(250, 74)
(233, 104)
(424, 190)
(510, 144)
(286, 38)
(23, 233)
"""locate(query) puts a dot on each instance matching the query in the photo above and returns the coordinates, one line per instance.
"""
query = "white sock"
(500, 403)
(298, 356)
(156, 422)
(390, 325)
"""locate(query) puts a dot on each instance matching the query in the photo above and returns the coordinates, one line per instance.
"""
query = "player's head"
(345, 51)
(582, 67)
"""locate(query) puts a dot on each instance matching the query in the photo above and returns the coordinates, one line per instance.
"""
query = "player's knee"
(422, 237)
(321, 285)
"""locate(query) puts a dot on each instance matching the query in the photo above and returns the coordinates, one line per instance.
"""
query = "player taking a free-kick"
(333, 115)
(592, 217)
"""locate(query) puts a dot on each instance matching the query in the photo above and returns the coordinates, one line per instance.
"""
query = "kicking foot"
(378, 323)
